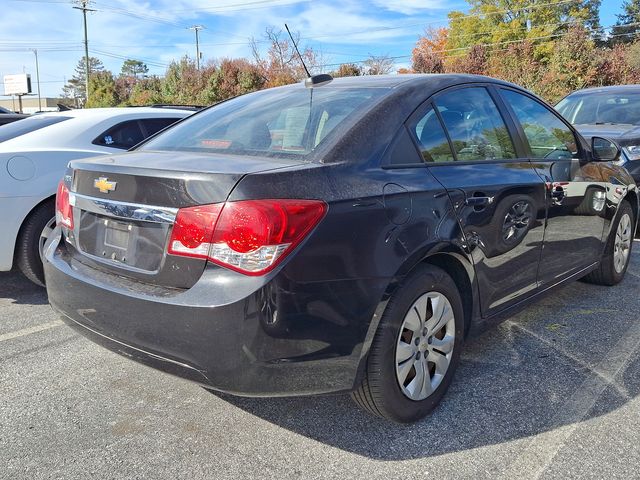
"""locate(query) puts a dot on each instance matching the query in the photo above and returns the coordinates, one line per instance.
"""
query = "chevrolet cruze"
(338, 238)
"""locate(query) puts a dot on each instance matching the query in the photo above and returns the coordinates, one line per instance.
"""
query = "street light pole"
(35, 51)
(197, 28)
(84, 7)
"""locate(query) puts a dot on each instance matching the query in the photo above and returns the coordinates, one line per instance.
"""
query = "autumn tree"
(517, 64)
(500, 23)
(147, 91)
(429, 53)
(347, 70)
(102, 90)
(183, 82)
(232, 77)
(282, 65)
(572, 66)
(378, 65)
(475, 61)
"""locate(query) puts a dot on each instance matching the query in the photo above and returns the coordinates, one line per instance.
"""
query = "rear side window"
(27, 125)
(123, 135)
(474, 124)
(433, 142)
(547, 135)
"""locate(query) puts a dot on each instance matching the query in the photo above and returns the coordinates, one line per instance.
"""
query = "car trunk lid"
(124, 208)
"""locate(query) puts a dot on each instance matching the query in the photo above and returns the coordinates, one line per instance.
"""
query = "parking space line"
(30, 330)
(539, 453)
(593, 369)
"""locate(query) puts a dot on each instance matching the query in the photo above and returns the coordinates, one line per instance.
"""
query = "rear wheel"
(615, 259)
(416, 349)
(31, 240)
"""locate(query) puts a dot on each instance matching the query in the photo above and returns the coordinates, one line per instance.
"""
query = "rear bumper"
(224, 336)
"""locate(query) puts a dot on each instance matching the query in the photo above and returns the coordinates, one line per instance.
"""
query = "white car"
(34, 153)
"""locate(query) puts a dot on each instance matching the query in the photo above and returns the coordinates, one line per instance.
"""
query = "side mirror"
(604, 150)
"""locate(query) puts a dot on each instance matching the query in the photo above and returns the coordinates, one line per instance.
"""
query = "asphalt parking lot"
(551, 393)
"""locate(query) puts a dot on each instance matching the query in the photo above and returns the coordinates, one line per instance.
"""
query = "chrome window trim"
(123, 210)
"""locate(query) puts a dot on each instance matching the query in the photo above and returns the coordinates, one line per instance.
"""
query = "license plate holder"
(117, 235)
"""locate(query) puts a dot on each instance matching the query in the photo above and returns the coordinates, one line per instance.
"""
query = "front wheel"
(416, 348)
(617, 254)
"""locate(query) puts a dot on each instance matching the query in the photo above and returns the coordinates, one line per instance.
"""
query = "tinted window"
(278, 122)
(154, 125)
(123, 135)
(601, 107)
(475, 125)
(432, 140)
(27, 125)
(547, 135)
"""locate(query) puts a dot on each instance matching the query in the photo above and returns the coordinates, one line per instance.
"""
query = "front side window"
(276, 122)
(474, 124)
(547, 135)
(432, 140)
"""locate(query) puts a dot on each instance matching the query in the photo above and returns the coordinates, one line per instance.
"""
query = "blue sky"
(156, 31)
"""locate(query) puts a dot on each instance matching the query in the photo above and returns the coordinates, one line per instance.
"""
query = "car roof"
(609, 89)
(99, 113)
(83, 126)
(410, 79)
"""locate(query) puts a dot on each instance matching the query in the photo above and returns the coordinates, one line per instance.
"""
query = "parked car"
(610, 111)
(7, 116)
(342, 238)
(34, 153)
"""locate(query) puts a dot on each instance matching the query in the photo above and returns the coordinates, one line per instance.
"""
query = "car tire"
(615, 261)
(31, 239)
(385, 390)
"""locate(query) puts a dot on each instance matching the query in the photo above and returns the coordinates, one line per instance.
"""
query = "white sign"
(17, 84)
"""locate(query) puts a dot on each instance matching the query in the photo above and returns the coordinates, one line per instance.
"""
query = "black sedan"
(340, 238)
(10, 117)
(613, 112)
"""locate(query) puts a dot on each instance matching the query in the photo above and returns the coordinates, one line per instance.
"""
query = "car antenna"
(311, 80)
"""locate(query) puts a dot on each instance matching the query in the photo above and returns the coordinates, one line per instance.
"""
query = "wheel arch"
(632, 198)
(451, 259)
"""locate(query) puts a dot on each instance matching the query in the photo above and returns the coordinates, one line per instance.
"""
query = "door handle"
(478, 201)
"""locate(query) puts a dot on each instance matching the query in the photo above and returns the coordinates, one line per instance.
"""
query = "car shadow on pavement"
(15, 286)
(549, 366)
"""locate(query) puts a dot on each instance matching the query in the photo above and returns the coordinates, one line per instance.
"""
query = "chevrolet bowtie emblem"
(104, 185)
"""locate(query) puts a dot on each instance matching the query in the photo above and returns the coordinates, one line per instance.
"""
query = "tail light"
(64, 210)
(250, 236)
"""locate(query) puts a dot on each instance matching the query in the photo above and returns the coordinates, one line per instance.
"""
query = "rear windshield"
(27, 125)
(278, 122)
(603, 107)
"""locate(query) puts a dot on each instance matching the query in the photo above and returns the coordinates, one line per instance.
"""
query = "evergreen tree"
(75, 89)
(625, 31)
(133, 68)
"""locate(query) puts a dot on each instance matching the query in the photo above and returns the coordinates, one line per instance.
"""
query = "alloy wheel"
(622, 243)
(46, 233)
(425, 345)
(516, 221)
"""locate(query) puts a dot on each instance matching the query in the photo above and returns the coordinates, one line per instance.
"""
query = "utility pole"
(197, 28)
(83, 5)
(38, 80)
